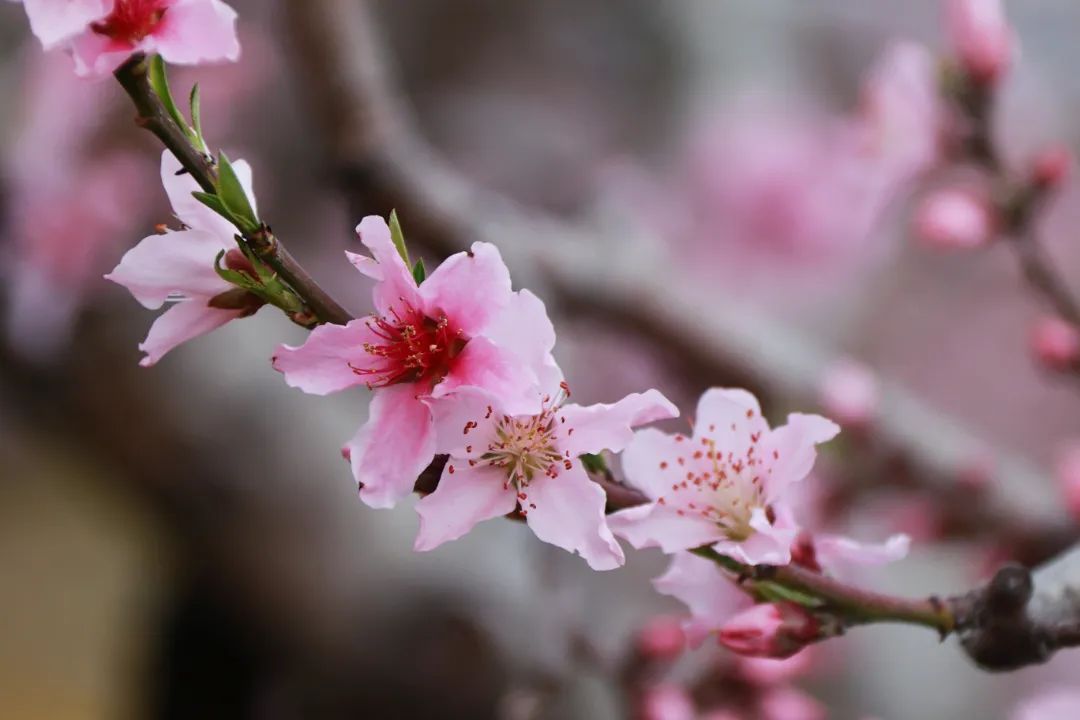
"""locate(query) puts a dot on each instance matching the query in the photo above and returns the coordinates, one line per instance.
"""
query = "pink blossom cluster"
(100, 34)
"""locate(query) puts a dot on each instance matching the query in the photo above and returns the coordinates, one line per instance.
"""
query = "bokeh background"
(184, 541)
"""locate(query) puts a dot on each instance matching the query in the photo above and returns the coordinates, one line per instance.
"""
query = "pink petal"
(609, 427)
(656, 525)
(325, 362)
(642, 460)
(464, 498)
(470, 288)
(393, 446)
(791, 703)
(705, 589)
(453, 417)
(730, 417)
(789, 451)
(190, 211)
(569, 512)
(174, 263)
(182, 322)
(770, 544)
(396, 284)
(1057, 703)
(53, 22)
(485, 366)
(833, 550)
(97, 55)
(195, 31)
(523, 327)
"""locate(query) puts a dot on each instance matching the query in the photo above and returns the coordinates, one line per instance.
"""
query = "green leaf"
(196, 117)
(232, 195)
(159, 81)
(398, 237)
(775, 592)
(419, 273)
(593, 462)
(214, 203)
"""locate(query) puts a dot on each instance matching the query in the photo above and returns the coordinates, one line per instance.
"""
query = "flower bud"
(1067, 474)
(1055, 343)
(1050, 167)
(981, 37)
(662, 638)
(776, 630)
(849, 393)
(954, 219)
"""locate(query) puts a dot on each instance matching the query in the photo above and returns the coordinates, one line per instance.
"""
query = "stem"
(134, 77)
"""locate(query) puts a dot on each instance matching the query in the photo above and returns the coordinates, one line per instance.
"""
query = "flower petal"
(485, 366)
(195, 31)
(770, 544)
(179, 186)
(174, 263)
(609, 427)
(464, 498)
(568, 510)
(789, 451)
(325, 362)
(183, 321)
(655, 525)
(395, 281)
(97, 55)
(833, 550)
(54, 22)
(730, 417)
(523, 327)
(470, 288)
(393, 446)
(705, 589)
(463, 420)
(648, 462)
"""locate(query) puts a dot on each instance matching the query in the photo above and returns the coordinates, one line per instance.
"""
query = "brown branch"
(134, 78)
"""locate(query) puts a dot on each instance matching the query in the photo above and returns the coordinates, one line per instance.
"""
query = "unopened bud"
(776, 630)
(662, 638)
(981, 37)
(850, 393)
(237, 261)
(954, 219)
(1067, 474)
(1050, 168)
(237, 299)
(1055, 343)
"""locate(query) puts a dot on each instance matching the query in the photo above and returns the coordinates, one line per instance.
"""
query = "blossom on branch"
(724, 486)
(462, 328)
(102, 34)
(502, 462)
(981, 36)
(177, 266)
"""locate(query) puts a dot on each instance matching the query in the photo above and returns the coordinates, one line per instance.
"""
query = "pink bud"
(776, 630)
(1051, 167)
(850, 393)
(667, 702)
(662, 638)
(981, 37)
(954, 219)
(1056, 343)
(1068, 478)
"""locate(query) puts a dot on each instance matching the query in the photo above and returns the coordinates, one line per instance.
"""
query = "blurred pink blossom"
(1067, 474)
(954, 219)
(790, 703)
(1055, 342)
(667, 702)
(850, 393)
(1053, 704)
(981, 36)
(707, 591)
(1051, 166)
(661, 638)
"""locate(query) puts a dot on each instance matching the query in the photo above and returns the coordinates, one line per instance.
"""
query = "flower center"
(131, 20)
(413, 348)
(720, 487)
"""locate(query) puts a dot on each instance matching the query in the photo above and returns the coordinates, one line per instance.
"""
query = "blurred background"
(184, 541)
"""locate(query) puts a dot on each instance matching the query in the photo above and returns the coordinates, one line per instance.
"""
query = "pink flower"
(1055, 704)
(1055, 343)
(667, 702)
(1067, 474)
(709, 592)
(102, 34)
(501, 461)
(954, 219)
(726, 485)
(774, 630)
(850, 393)
(789, 703)
(661, 638)
(981, 37)
(463, 328)
(178, 267)
(1051, 167)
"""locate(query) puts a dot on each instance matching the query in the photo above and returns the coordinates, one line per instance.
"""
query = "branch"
(134, 78)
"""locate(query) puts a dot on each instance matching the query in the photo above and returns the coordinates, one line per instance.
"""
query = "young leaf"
(231, 192)
(593, 463)
(159, 81)
(214, 203)
(196, 117)
(774, 592)
(418, 272)
(398, 237)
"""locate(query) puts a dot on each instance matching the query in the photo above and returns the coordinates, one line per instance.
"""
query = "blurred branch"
(133, 75)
